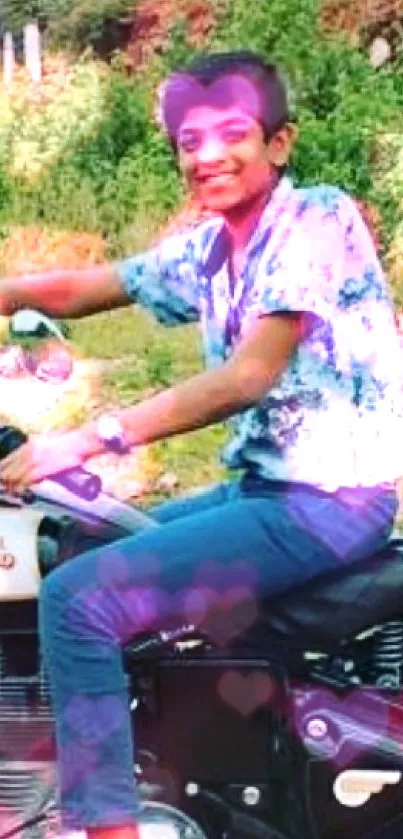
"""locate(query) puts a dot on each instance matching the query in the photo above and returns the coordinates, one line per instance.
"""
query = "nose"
(211, 149)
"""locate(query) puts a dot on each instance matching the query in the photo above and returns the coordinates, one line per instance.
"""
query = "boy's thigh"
(228, 554)
(201, 499)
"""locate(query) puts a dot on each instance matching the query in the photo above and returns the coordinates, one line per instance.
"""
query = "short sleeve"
(305, 272)
(164, 280)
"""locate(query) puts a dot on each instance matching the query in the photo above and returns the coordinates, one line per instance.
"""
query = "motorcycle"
(292, 730)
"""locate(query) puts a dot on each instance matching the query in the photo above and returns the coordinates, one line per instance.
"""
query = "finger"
(7, 461)
(12, 464)
(16, 481)
(14, 457)
(17, 468)
(12, 475)
(16, 485)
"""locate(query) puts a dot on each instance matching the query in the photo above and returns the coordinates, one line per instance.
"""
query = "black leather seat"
(336, 606)
(321, 614)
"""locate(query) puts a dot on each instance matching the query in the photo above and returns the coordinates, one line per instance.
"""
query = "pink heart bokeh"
(246, 692)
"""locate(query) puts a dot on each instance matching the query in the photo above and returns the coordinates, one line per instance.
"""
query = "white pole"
(8, 59)
(32, 51)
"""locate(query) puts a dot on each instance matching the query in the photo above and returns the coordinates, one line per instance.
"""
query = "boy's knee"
(53, 599)
(69, 607)
(53, 585)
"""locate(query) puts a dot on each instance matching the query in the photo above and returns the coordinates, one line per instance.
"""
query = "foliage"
(343, 106)
(16, 13)
(88, 156)
(83, 23)
(77, 22)
(29, 249)
(83, 154)
(390, 173)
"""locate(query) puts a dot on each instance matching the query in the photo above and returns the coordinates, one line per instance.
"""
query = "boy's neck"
(242, 221)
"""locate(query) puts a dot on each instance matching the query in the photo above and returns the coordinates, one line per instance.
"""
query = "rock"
(380, 52)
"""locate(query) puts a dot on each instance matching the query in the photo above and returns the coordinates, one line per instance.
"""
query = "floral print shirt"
(334, 417)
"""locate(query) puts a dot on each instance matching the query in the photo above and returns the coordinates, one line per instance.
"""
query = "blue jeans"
(237, 542)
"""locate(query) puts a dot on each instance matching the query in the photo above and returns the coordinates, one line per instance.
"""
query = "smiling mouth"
(221, 178)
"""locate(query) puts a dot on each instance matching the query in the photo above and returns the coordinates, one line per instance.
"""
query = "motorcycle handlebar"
(76, 480)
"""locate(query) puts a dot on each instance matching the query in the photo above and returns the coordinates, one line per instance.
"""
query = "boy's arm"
(161, 279)
(65, 293)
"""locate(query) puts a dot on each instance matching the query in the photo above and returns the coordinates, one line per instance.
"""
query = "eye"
(235, 134)
(189, 142)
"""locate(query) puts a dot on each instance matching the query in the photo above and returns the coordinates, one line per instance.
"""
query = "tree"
(21, 18)
(82, 23)
(15, 14)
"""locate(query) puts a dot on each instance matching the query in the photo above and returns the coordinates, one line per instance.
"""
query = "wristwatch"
(112, 435)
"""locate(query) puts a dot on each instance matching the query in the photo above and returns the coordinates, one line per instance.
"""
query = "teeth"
(223, 177)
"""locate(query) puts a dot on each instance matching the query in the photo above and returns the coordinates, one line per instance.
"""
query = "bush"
(82, 23)
(342, 104)
(16, 13)
(88, 155)
(84, 155)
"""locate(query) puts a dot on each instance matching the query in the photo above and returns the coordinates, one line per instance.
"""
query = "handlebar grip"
(76, 479)
(11, 438)
(84, 484)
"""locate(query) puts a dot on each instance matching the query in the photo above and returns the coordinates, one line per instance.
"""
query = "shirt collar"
(275, 204)
(217, 249)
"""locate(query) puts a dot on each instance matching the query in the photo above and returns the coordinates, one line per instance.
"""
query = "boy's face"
(225, 159)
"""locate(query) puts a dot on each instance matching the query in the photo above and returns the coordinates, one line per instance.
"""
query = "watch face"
(112, 434)
(109, 428)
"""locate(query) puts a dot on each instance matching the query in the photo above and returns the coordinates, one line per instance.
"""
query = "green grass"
(152, 357)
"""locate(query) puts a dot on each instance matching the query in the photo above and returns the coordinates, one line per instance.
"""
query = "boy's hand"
(42, 456)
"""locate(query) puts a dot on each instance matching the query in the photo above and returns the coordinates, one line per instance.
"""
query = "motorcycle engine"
(29, 807)
(26, 744)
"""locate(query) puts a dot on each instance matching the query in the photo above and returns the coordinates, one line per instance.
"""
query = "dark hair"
(208, 69)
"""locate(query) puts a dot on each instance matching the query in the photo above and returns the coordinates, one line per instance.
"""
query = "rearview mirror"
(44, 350)
(30, 324)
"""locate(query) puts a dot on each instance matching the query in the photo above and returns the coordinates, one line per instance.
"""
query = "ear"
(280, 146)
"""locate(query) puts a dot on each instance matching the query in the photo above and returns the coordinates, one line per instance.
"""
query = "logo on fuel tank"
(7, 559)
(354, 787)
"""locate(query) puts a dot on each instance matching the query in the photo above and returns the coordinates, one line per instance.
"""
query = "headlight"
(161, 821)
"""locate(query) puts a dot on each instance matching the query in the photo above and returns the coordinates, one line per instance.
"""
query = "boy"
(302, 357)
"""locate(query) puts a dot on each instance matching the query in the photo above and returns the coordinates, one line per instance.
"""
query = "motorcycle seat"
(336, 606)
